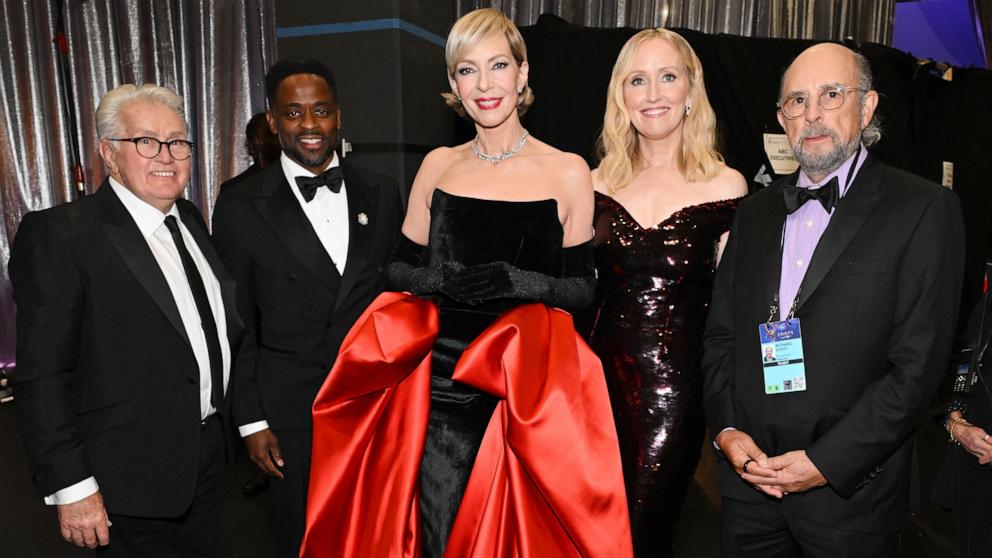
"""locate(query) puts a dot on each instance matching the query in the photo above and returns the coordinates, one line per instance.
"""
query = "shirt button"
(799, 263)
(809, 223)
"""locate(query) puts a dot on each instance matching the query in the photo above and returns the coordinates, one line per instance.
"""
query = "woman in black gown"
(968, 420)
(499, 221)
(664, 199)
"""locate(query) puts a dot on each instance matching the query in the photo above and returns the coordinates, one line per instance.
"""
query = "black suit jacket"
(240, 178)
(297, 308)
(878, 306)
(106, 381)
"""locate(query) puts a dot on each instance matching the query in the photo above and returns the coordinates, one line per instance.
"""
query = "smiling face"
(487, 79)
(823, 140)
(158, 181)
(305, 116)
(656, 89)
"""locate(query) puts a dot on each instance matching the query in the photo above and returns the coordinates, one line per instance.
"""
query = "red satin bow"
(547, 480)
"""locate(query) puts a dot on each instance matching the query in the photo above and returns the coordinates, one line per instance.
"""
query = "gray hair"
(108, 113)
(873, 131)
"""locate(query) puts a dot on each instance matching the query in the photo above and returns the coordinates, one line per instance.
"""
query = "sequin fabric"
(653, 295)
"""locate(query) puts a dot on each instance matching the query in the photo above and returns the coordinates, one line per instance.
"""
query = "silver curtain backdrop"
(864, 20)
(212, 52)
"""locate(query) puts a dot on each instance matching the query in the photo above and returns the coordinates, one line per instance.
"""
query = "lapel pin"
(363, 219)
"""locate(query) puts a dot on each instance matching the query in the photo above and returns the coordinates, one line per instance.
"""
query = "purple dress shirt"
(804, 228)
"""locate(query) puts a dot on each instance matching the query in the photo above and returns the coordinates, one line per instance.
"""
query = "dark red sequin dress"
(652, 299)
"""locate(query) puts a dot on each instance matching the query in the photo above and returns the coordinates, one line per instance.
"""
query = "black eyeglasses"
(149, 148)
(831, 99)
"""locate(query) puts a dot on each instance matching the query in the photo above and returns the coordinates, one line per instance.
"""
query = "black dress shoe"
(257, 484)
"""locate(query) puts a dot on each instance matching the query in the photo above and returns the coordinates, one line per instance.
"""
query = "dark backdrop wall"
(927, 120)
(388, 60)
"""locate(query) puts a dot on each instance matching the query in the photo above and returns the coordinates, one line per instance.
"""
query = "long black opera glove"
(407, 270)
(572, 291)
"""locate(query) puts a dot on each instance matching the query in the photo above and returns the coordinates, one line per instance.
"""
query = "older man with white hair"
(126, 326)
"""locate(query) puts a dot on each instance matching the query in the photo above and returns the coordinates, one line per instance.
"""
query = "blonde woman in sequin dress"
(664, 201)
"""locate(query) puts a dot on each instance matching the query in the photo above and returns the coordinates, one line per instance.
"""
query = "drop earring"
(688, 107)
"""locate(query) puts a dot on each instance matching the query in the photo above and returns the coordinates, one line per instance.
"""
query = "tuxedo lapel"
(227, 286)
(851, 213)
(362, 224)
(124, 235)
(766, 263)
(277, 205)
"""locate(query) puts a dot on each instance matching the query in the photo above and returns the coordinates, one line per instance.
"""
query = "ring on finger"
(746, 463)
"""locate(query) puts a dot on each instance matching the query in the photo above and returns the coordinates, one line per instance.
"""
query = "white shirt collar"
(292, 169)
(147, 217)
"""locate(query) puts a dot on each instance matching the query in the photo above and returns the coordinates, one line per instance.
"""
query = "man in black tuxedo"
(870, 265)
(306, 241)
(126, 324)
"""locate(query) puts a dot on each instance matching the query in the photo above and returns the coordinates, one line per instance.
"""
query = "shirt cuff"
(72, 494)
(252, 427)
(715, 446)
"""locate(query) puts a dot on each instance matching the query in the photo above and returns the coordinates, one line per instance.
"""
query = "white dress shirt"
(327, 211)
(328, 216)
(151, 223)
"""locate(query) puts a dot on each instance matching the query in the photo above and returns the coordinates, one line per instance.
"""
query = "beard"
(307, 158)
(822, 164)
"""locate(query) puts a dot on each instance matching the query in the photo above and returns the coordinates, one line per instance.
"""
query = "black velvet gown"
(652, 299)
(471, 231)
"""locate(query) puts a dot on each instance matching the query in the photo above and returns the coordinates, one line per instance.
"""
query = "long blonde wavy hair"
(617, 147)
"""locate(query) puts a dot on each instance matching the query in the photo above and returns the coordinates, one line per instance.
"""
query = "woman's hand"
(973, 439)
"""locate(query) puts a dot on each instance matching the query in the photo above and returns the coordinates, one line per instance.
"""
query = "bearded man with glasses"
(859, 304)
(126, 324)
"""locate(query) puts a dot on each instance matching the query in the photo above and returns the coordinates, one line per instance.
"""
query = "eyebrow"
(491, 58)
(661, 69)
(824, 87)
(169, 137)
(321, 102)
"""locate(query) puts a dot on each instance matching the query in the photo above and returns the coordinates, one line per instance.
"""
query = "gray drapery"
(213, 53)
(863, 20)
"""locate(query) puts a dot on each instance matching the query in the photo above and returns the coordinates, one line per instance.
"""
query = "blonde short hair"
(109, 122)
(617, 147)
(474, 28)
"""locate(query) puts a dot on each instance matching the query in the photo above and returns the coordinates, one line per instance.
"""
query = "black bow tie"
(827, 195)
(308, 184)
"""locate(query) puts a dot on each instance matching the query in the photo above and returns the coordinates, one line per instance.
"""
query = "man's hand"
(85, 523)
(794, 472)
(263, 448)
(748, 460)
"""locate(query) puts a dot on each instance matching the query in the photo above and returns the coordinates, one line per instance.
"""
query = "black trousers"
(191, 535)
(289, 494)
(767, 530)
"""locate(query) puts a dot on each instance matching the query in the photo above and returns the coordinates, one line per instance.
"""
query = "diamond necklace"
(502, 156)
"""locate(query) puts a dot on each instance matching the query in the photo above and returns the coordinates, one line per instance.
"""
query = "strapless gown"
(471, 231)
(477, 431)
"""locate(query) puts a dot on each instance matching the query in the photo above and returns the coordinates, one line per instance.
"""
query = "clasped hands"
(776, 476)
(480, 283)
